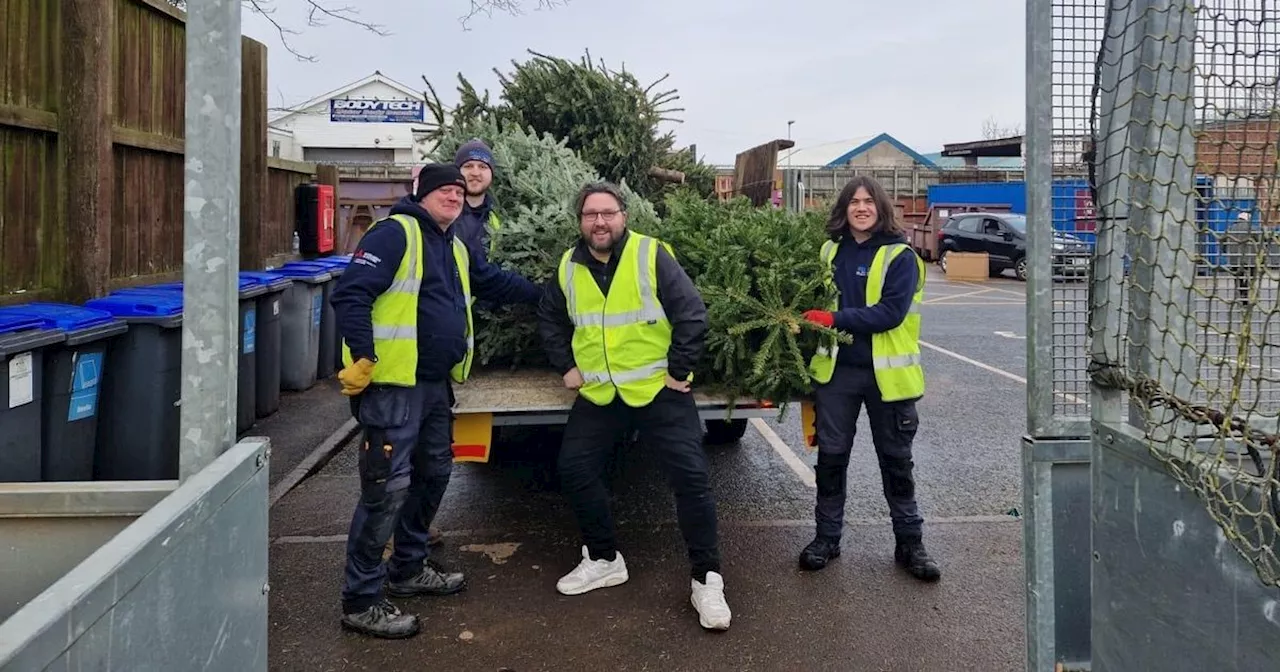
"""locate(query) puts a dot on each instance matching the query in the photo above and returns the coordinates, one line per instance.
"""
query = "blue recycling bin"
(328, 324)
(22, 342)
(267, 350)
(73, 372)
(336, 265)
(301, 314)
(142, 390)
(246, 380)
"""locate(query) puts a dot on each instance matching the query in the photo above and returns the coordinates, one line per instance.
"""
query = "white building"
(373, 120)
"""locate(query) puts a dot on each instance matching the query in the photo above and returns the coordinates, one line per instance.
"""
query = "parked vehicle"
(1003, 236)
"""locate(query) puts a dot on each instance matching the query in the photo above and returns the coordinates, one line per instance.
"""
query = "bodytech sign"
(376, 110)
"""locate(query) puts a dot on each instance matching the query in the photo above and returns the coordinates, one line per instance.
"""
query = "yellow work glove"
(356, 377)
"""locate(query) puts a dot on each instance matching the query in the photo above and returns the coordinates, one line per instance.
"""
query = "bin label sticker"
(275, 307)
(21, 377)
(250, 332)
(317, 305)
(87, 373)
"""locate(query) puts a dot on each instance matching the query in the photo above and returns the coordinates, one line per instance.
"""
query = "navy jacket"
(442, 318)
(472, 226)
(852, 264)
(677, 294)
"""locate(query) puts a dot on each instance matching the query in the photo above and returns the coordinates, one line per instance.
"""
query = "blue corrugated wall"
(1215, 215)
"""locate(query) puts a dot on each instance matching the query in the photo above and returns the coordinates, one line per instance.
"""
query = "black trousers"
(671, 431)
(405, 462)
(837, 405)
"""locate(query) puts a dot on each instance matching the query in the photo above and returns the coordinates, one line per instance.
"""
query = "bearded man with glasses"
(625, 326)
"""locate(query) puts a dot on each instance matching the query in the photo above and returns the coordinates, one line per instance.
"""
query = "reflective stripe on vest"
(620, 341)
(395, 313)
(895, 354)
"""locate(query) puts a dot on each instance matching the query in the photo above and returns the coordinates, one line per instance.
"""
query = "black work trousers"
(837, 405)
(670, 430)
(405, 462)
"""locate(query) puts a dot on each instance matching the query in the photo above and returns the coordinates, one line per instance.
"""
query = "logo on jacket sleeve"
(365, 258)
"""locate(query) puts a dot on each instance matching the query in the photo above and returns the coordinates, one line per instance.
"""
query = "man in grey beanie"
(478, 220)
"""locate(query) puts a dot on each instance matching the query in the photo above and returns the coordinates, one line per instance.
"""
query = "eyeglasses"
(605, 215)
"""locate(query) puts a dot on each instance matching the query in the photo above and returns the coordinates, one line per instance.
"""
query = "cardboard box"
(968, 266)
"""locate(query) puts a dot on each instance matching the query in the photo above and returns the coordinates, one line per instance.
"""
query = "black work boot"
(432, 580)
(911, 556)
(382, 620)
(819, 551)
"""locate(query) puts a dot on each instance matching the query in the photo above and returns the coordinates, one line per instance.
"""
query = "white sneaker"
(708, 599)
(592, 574)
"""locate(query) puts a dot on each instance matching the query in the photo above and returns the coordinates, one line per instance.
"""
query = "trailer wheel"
(725, 432)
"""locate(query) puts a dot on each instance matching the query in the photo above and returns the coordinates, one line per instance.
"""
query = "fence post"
(84, 147)
(253, 152)
(211, 234)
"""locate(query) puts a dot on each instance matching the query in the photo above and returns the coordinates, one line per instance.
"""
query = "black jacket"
(679, 298)
(442, 317)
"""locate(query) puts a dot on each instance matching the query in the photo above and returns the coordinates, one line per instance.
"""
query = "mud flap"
(472, 436)
(808, 423)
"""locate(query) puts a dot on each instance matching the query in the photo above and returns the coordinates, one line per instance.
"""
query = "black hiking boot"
(432, 580)
(911, 556)
(819, 552)
(382, 620)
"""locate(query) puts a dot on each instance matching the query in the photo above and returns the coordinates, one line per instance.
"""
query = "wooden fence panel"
(92, 200)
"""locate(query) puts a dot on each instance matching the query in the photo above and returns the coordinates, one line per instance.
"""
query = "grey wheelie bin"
(267, 350)
(22, 341)
(246, 379)
(141, 392)
(336, 265)
(328, 323)
(72, 380)
(300, 315)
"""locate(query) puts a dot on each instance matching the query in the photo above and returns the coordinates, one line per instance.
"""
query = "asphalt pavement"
(510, 530)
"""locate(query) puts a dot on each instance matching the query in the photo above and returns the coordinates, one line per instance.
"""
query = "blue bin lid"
(65, 316)
(247, 286)
(305, 272)
(155, 304)
(271, 280)
(13, 322)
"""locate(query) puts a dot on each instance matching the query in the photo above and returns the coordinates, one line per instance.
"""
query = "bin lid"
(20, 332)
(81, 324)
(159, 306)
(249, 287)
(312, 274)
(273, 281)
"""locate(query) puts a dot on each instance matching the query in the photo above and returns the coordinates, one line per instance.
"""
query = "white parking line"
(805, 472)
(785, 452)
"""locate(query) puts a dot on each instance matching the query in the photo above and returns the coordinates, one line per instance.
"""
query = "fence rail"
(91, 150)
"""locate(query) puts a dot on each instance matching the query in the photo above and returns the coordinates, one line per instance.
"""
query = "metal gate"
(1154, 381)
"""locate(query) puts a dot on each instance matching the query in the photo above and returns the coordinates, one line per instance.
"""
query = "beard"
(473, 191)
(606, 245)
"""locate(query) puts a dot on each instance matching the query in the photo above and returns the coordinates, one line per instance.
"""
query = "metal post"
(211, 234)
(1163, 211)
(1113, 160)
(1039, 181)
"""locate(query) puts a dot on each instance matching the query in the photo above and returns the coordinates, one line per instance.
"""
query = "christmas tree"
(758, 269)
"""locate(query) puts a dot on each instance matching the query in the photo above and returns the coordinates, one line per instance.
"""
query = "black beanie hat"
(436, 175)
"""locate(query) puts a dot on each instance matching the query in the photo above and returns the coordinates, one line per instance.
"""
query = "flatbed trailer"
(496, 398)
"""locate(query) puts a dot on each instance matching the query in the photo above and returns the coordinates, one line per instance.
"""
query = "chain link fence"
(1170, 109)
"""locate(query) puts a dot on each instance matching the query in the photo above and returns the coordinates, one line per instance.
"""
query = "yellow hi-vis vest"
(395, 313)
(895, 354)
(494, 224)
(620, 341)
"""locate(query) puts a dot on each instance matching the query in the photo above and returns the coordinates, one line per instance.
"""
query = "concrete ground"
(509, 529)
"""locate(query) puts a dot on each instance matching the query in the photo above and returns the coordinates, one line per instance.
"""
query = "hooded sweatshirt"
(442, 317)
(852, 265)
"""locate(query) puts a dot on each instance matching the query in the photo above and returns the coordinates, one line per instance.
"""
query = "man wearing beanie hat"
(404, 310)
(478, 220)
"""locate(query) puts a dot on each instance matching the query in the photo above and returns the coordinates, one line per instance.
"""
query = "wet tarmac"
(509, 529)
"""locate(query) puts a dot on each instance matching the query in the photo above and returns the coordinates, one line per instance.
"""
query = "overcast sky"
(927, 72)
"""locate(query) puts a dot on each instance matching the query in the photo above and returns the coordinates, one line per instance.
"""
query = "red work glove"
(822, 317)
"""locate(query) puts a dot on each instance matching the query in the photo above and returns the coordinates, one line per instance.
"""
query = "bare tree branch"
(512, 7)
(992, 130)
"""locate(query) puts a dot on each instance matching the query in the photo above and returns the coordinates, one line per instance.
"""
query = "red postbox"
(314, 204)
